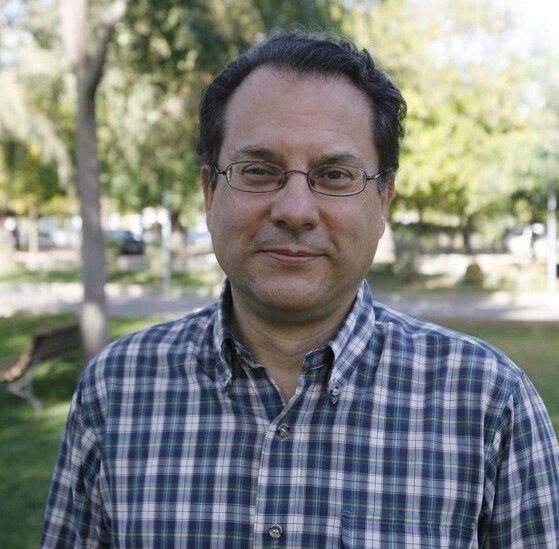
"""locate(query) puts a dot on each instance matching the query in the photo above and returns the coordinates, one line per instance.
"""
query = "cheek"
(218, 214)
(231, 223)
(380, 226)
(367, 227)
(365, 222)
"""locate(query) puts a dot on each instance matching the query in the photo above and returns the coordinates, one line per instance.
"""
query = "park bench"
(17, 372)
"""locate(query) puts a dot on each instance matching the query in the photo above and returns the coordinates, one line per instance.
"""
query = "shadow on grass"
(29, 443)
(147, 277)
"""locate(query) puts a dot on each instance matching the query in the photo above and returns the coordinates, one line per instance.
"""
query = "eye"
(333, 173)
(259, 170)
(336, 174)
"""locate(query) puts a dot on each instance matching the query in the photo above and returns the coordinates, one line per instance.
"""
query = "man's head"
(303, 136)
(311, 55)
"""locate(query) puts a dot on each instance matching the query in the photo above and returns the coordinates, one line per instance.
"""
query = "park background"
(98, 108)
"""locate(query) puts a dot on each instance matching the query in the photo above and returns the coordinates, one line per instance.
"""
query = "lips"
(291, 252)
(292, 249)
(292, 256)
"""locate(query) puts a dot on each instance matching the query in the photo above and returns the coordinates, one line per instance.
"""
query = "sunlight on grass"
(152, 277)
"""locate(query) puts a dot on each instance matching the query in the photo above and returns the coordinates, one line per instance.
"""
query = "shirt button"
(275, 531)
(283, 430)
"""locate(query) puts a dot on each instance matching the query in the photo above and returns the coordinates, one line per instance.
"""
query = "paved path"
(135, 301)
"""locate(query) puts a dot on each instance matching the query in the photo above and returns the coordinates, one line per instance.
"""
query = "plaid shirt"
(401, 434)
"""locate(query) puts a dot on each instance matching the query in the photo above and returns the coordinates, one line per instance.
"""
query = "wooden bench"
(17, 372)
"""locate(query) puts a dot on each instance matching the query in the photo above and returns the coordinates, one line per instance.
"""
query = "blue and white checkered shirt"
(401, 434)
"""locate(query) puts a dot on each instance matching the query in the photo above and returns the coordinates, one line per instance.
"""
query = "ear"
(205, 176)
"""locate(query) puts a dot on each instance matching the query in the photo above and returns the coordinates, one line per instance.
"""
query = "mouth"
(292, 255)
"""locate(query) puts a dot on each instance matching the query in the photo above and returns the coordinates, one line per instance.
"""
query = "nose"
(295, 205)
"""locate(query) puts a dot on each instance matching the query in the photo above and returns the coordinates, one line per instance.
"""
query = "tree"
(170, 49)
(466, 89)
(87, 52)
(35, 165)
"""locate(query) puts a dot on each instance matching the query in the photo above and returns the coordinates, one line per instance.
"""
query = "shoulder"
(436, 350)
(166, 337)
(160, 350)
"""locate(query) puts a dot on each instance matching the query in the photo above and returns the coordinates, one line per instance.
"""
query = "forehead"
(287, 111)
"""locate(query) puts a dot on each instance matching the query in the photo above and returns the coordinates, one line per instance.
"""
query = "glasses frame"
(227, 173)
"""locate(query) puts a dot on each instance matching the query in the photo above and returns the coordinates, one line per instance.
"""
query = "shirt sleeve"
(74, 515)
(523, 476)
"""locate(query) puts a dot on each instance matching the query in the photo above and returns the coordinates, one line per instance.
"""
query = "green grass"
(22, 275)
(147, 277)
(29, 440)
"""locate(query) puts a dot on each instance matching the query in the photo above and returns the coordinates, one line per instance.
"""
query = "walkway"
(136, 301)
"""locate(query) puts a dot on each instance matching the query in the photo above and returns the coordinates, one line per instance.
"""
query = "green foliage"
(28, 180)
(164, 55)
(474, 275)
(474, 137)
(482, 133)
(35, 164)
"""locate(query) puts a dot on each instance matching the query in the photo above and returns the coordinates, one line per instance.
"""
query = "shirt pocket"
(360, 531)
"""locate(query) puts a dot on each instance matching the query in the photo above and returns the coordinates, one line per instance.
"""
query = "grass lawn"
(148, 277)
(29, 440)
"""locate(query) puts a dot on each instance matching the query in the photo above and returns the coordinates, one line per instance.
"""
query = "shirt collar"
(349, 343)
(346, 345)
(222, 337)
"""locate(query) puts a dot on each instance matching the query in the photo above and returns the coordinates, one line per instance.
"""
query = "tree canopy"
(483, 114)
(476, 113)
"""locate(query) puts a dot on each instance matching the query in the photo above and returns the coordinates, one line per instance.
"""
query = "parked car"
(126, 242)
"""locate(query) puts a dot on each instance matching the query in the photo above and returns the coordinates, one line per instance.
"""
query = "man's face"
(295, 256)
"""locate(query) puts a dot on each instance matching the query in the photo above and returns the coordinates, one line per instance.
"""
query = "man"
(298, 412)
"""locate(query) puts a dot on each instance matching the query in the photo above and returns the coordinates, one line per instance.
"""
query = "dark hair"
(308, 54)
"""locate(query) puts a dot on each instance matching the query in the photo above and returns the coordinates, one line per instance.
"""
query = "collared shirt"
(400, 434)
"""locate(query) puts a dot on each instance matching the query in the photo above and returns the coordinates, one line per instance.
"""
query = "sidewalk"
(122, 300)
(137, 301)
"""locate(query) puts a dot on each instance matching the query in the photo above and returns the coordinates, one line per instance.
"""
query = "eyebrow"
(340, 158)
(263, 153)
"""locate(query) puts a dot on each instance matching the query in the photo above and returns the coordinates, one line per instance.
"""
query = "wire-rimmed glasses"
(261, 176)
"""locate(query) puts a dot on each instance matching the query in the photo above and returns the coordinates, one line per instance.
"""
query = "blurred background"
(100, 195)
(98, 131)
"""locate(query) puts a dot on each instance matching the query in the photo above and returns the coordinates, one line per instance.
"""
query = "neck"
(279, 345)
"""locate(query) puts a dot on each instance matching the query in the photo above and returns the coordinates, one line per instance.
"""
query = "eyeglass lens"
(260, 176)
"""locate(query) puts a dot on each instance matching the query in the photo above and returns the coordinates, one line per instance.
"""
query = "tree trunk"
(33, 232)
(88, 70)
(94, 321)
(468, 228)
